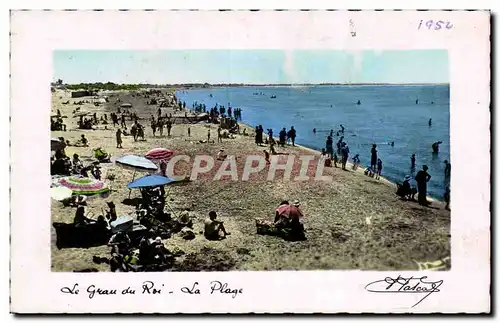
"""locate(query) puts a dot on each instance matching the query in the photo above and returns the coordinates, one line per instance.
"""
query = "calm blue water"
(386, 113)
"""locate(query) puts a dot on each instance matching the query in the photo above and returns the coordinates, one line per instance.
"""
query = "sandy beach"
(352, 222)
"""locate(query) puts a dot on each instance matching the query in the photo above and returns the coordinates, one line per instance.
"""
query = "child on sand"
(379, 168)
(221, 155)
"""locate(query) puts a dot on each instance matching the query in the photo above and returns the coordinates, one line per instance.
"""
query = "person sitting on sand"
(328, 161)
(213, 227)
(120, 243)
(83, 142)
(271, 147)
(355, 161)
(406, 191)
(111, 213)
(80, 218)
(77, 200)
(77, 164)
(290, 217)
(96, 171)
(221, 155)
(244, 133)
(101, 155)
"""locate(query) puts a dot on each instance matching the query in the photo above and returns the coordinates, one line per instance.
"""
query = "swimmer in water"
(416, 101)
(359, 102)
(392, 143)
(435, 146)
(314, 130)
(430, 122)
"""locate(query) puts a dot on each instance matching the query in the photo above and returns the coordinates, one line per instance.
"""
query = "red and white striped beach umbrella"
(159, 154)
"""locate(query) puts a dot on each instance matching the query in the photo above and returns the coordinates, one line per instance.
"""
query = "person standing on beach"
(446, 197)
(447, 171)
(344, 150)
(159, 113)
(282, 136)
(292, 134)
(169, 127)
(219, 135)
(153, 125)
(329, 146)
(159, 126)
(123, 124)
(189, 131)
(208, 136)
(422, 178)
(119, 138)
(374, 158)
(379, 168)
(412, 161)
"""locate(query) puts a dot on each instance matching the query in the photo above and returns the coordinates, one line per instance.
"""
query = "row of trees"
(109, 86)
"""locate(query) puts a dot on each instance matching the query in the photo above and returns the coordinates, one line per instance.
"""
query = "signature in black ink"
(405, 285)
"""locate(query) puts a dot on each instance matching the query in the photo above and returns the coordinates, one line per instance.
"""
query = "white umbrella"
(136, 163)
(60, 193)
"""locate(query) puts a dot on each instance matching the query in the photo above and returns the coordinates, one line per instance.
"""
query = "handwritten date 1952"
(434, 24)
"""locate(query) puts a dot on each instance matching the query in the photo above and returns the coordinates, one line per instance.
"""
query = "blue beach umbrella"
(150, 181)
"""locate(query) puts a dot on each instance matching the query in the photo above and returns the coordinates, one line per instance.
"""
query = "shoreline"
(361, 168)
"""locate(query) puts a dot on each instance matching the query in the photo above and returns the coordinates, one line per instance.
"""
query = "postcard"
(257, 161)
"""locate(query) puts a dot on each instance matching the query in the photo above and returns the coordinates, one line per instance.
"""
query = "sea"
(384, 114)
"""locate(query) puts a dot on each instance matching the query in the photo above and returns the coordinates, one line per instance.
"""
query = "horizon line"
(263, 84)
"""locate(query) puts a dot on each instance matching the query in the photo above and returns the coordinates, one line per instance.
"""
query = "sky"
(251, 66)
